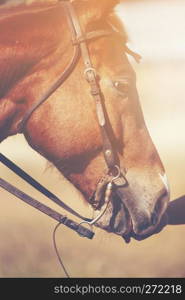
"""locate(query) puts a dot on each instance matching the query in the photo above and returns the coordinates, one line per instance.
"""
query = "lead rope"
(59, 257)
(57, 251)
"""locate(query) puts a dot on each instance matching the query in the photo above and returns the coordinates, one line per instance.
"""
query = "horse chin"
(116, 219)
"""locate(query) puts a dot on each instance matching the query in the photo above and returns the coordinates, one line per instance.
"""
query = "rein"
(82, 231)
(34, 183)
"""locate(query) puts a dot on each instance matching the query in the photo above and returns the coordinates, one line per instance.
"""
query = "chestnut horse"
(36, 48)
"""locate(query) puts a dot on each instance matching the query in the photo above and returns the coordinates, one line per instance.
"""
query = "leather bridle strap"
(67, 72)
(91, 77)
(91, 36)
(52, 89)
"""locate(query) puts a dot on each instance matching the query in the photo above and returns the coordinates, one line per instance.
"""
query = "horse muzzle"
(142, 217)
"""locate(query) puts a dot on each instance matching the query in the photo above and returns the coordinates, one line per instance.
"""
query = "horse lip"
(128, 234)
(138, 236)
(154, 230)
(124, 226)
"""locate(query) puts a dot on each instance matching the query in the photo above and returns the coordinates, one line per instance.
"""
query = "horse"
(36, 47)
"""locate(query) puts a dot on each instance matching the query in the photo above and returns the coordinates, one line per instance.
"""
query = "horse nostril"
(161, 203)
(154, 219)
(142, 226)
(146, 224)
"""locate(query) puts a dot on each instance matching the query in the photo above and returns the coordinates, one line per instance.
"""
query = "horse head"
(65, 129)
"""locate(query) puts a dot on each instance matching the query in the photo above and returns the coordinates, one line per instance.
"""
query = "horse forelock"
(100, 14)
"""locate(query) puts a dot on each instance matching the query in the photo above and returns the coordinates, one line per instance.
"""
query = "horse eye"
(122, 86)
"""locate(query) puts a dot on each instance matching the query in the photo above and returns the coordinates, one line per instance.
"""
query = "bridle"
(115, 175)
(79, 42)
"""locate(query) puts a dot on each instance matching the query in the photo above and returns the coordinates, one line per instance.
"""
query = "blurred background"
(156, 30)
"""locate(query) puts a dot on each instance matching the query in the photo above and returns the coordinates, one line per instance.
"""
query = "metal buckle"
(79, 40)
(89, 72)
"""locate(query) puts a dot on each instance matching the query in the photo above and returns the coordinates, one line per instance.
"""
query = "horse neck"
(33, 42)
